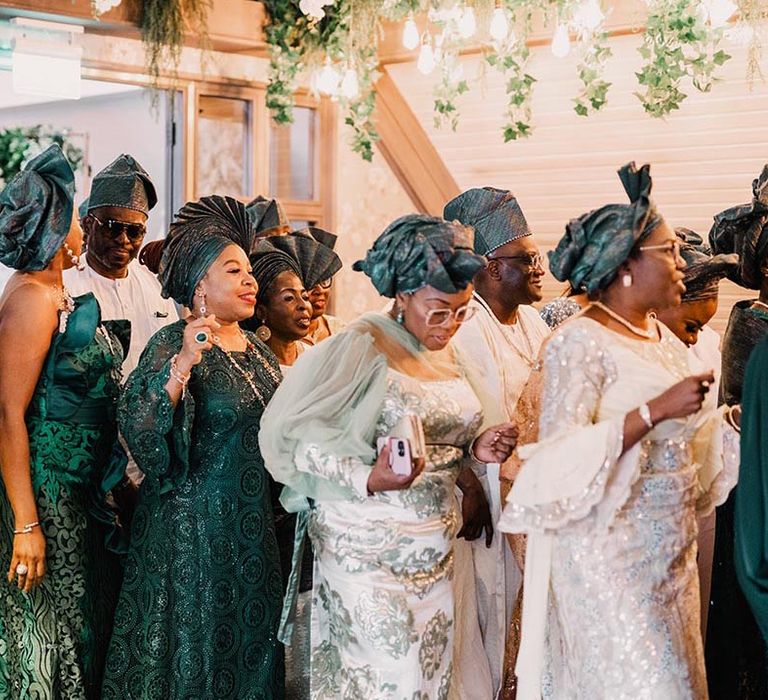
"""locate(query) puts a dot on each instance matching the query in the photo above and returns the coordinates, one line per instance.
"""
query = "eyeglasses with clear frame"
(439, 317)
(134, 231)
(671, 247)
(533, 262)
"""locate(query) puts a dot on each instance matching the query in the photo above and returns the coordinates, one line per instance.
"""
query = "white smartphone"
(400, 456)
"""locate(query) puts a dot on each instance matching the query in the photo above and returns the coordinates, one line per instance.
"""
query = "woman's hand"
(495, 444)
(382, 478)
(475, 510)
(29, 551)
(683, 399)
(192, 350)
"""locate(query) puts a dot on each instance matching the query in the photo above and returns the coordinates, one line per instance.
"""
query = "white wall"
(119, 123)
(703, 157)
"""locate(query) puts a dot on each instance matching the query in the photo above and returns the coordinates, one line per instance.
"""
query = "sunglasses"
(439, 317)
(533, 262)
(114, 228)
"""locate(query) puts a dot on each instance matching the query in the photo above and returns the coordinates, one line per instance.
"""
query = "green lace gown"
(53, 640)
(201, 598)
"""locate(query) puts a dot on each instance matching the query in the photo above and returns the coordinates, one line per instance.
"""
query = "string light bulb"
(561, 42)
(349, 87)
(588, 15)
(426, 61)
(718, 11)
(499, 29)
(467, 24)
(410, 33)
(328, 80)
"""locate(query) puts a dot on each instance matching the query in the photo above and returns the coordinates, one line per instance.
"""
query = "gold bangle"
(27, 529)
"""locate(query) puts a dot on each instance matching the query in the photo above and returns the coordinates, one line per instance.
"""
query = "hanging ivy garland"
(336, 42)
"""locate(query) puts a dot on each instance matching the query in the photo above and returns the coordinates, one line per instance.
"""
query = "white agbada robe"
(135, 297)
(486, 580)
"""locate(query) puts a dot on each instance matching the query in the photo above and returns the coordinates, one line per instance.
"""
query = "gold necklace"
(528, 357)
(631, 327)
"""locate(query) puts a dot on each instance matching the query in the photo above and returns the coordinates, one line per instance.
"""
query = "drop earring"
(203, 310)
(626, 280)
(77, 260)
(263, 333)
(400, 316)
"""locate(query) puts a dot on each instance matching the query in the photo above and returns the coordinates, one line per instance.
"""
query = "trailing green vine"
(510, 57)
(163, 24)
(677, 44)
(20, 144)
(594, 93)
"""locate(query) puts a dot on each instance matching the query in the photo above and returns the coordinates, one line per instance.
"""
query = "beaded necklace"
(249, 346)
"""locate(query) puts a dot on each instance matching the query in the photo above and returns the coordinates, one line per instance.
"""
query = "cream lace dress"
(611, 606)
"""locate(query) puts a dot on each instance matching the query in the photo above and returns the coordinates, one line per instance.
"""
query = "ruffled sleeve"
(577, 467)
(317, 432)
(156, 432)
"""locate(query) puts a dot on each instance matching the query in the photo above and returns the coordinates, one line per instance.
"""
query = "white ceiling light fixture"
(46, 58)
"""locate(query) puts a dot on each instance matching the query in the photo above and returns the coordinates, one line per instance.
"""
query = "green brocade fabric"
(751, 517)
(53, 641)
(201, 597)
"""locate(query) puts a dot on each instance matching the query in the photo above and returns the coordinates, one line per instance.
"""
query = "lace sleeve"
(575, 374)
(578, 467)
(349, 472)
(156, 432)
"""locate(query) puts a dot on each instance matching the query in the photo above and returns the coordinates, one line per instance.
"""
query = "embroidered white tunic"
(498, 361)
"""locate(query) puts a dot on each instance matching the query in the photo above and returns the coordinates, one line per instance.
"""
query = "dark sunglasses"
(114, 228)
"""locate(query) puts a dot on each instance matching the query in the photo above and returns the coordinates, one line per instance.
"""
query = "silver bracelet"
(472, 455)
(645, 413)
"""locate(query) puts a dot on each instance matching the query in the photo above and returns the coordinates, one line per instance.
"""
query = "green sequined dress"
(201, 598)
(53, 640)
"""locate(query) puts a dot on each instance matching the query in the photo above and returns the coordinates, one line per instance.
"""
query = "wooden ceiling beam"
(409, 152)
(234, 26)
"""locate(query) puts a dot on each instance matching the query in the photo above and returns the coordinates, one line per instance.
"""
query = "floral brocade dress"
(200, 603)
(53, 640)
(382, 622)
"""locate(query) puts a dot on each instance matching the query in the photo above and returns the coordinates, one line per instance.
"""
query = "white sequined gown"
(382, 614)
(611, 608)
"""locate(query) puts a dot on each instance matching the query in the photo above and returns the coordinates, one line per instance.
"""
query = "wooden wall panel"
(703, 157)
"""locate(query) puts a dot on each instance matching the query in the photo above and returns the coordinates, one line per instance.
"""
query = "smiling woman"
(203, 559)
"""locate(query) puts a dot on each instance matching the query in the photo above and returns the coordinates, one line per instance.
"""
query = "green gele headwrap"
(123, 183)
(202, 230)
(744, 230)
(703, 271)
(36, 211)
(268, 260)
(265, 215)
(416, 251)
(494, 214)
(596, 244)
(316, 261)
